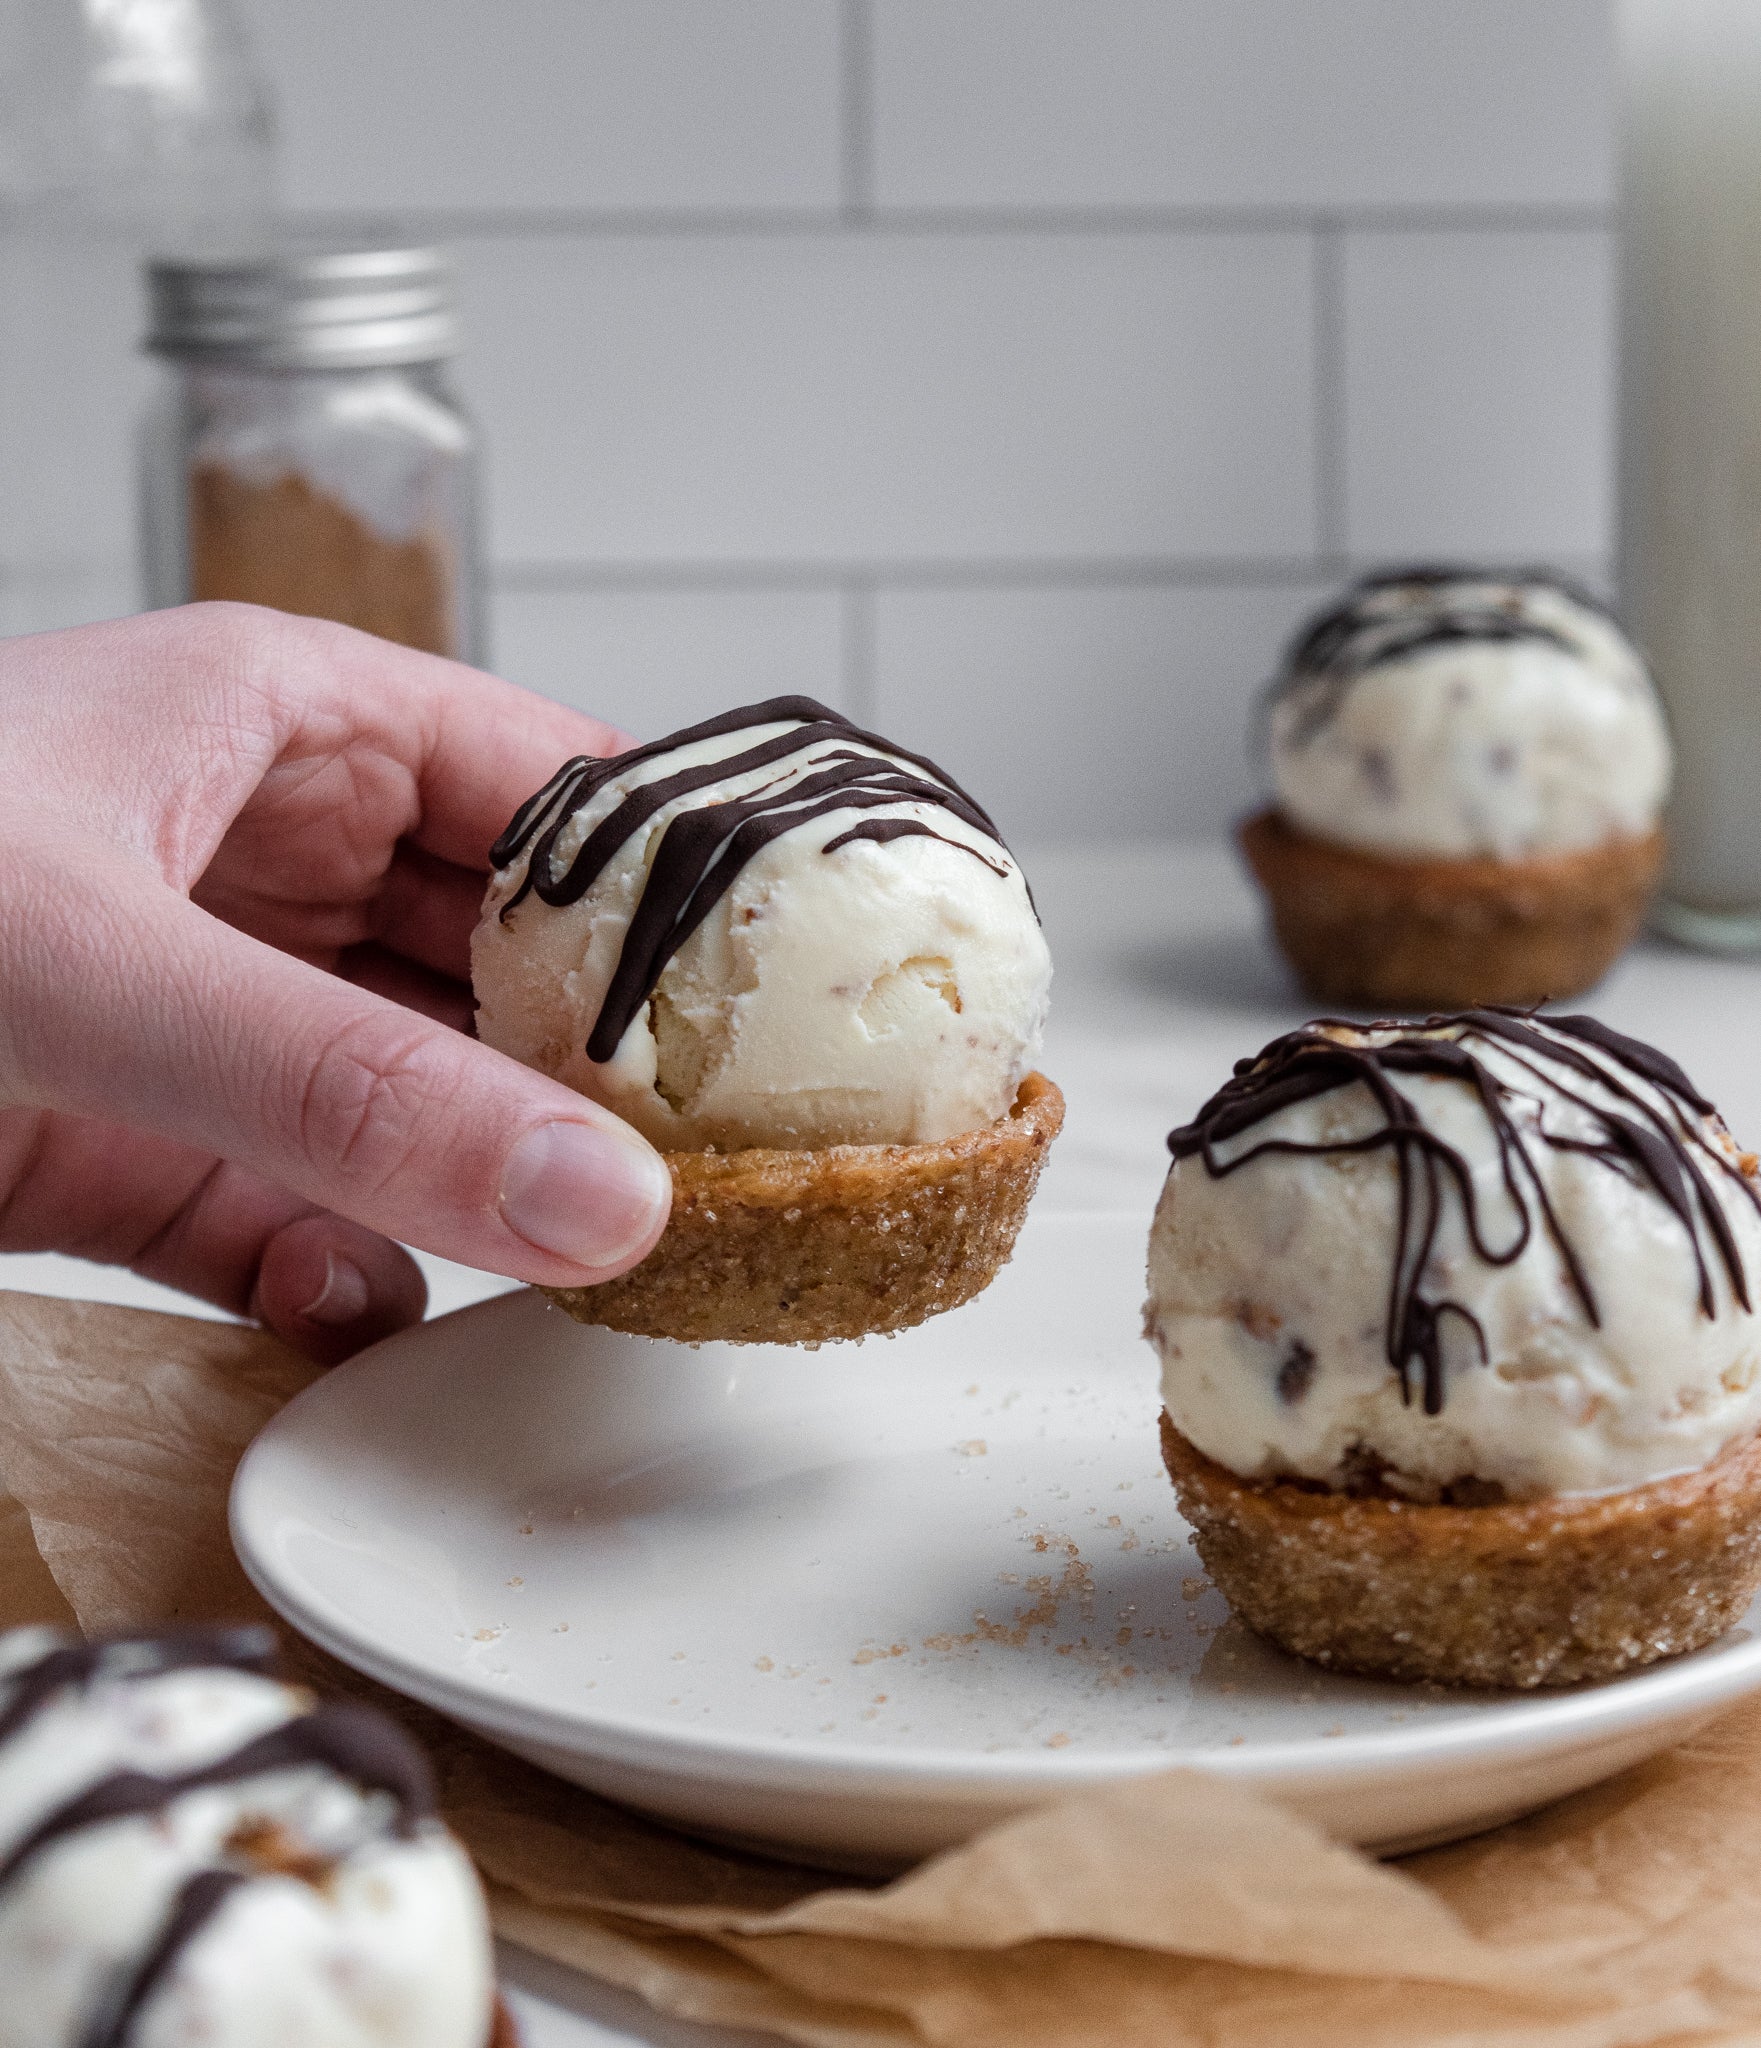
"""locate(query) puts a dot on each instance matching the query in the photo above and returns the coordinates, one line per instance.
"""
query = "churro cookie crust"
(1461, 1370)
(774, 1247)
(1407, 934)
(1525, 1593)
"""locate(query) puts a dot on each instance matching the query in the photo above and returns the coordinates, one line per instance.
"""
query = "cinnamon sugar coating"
(773, 1247)
(1397, 934)
(1524, 1593)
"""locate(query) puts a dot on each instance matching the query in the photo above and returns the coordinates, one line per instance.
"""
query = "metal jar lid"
(338, 309)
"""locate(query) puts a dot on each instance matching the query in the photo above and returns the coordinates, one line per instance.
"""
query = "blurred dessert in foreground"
(1469, 768)
(1461, 1370)
(193, 1852)
(801, 961)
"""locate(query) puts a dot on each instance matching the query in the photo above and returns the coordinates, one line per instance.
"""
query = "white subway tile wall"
(521, 106)
(651, 660)
(1264, 103)
(1478, 388)
(889, 400)
(1009, 372)
(1087, 711)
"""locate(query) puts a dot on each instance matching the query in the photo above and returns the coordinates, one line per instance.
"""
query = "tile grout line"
(856, 638)
(536, 578)
(871, 578)
(857, 217)
(1330, 342)
(856, 114)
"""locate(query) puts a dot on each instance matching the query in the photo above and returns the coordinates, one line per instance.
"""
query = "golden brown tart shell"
(773, 1247)
(1515, 1593)
(1388, 934)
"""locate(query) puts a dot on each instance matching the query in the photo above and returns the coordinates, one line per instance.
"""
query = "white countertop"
(1163, 981)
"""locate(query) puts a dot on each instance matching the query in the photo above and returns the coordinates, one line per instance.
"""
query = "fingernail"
(342, 1299)
(585, 1193)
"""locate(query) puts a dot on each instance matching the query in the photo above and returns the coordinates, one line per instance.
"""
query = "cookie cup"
(1517, 1593)
(1382, 933)
(773, 1247)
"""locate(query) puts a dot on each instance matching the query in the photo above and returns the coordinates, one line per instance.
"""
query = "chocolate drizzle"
(198, 1901)
(356, 1743)
(1657, 1140)
(703, 848)
(26, 1692)
(1364, 632)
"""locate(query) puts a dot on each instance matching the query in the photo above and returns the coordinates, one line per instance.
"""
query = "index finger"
(476, 745)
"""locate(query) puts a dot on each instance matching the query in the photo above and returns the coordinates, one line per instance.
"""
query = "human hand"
(241, 855)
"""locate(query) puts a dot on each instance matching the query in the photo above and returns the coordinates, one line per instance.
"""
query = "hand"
(241, 855)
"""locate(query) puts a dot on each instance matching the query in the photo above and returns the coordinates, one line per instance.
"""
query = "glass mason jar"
(305, 450)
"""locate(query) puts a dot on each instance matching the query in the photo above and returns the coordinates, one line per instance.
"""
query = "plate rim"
(1530, 1726)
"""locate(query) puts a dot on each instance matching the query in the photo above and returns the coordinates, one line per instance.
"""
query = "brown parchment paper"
(1173, 1911)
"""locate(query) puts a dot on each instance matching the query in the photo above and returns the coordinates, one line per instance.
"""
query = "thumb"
(168, 1019)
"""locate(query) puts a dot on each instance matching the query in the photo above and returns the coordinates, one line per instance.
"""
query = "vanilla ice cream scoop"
(1489, 1254)
(770, 929)
(191, 1851)
(1439, 714)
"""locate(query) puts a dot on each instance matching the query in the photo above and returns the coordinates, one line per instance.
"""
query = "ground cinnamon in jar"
(288, 544)
(305, 449)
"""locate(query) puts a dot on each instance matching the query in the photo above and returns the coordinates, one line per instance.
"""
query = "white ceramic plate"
(857, 1603)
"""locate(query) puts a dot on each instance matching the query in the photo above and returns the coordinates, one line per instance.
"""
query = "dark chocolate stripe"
(884, 830)
(29, 1690)
(196, 1904)
(1662, 1148)
(1656, 1067)
(1333, 652)
(704, 847)
(354, 1742)
(589, 773)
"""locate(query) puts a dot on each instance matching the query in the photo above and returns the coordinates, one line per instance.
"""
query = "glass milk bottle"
(1691, 436)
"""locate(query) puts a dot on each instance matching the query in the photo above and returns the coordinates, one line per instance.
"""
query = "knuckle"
(225, 638)
(369, 1097)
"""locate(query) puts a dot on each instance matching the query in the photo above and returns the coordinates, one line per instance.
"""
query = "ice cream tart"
(1469, 768)
(801, 961)
(1461, 1369)
(191, 1850)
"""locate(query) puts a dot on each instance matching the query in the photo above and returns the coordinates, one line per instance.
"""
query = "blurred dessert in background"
(1469, 768)
(801, 960)
(1461, 1370)
(192, 1851)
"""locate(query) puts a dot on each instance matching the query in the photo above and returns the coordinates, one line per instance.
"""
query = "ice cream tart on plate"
(1461, 1369)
